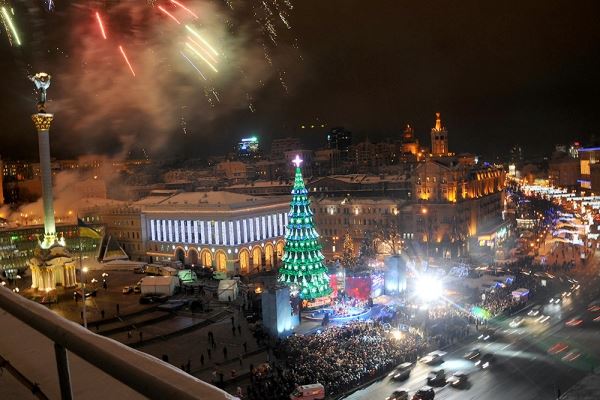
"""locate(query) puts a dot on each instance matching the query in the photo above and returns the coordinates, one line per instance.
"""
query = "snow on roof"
(365, 178)
(262, 184)
(95, 202)
(216, 201)
(158, 280)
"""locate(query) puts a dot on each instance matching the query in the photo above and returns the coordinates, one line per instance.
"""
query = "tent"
(159, 285)
(228, 289)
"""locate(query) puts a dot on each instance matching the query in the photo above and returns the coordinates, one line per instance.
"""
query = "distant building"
(326, 162)
(564, 172)
(235, 171)
(587, 158)
(369, 157)
(1, 183)
(439, 138)
(409, 144)
(516, 155)
(280, 146)
(340, 139)
(248, 149)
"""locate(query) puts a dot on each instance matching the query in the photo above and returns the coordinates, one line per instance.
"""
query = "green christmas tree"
(302, 258)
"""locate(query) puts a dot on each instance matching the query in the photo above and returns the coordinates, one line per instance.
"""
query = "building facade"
(225, 231)
(456, 201)
(358, 217)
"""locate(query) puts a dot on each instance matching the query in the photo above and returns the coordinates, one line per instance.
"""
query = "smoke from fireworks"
(165, 45)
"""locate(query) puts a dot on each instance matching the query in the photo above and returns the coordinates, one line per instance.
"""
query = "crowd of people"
(340, 357)
(501, 299)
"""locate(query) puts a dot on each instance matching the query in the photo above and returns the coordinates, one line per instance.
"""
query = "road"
(523, 367)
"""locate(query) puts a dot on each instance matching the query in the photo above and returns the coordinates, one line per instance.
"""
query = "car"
(516, 322)
(574, 322)
(398, 394)
(127, 290)
(472, 355)
(137, 289)
(425, 393)
(535, 311)
(436, 377)
(555, 300)
(485, 361)
(432, 358)
(542, 319)
(594, 306)
(557, 348)
(402, 372)
(78, 294)
(571, 356)
(458, 379)
(487, 334)
(566, 294)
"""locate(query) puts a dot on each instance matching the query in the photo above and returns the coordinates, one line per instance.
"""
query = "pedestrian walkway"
(231, 353)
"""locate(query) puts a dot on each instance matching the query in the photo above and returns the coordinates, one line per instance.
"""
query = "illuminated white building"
(229, 232)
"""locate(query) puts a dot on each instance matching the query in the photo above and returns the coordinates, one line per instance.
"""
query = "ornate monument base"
(52, 267)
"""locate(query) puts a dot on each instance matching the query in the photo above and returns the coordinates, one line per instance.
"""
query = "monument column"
(51, 264)
(42, 123)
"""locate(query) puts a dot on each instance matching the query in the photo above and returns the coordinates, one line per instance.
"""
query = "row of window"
(218, 232)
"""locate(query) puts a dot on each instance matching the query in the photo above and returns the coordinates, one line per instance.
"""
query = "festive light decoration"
(303, 265)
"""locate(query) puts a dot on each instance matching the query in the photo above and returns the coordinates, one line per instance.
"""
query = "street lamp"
(427, 227)
(84, 270)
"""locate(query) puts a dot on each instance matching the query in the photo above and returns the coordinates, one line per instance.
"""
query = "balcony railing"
(29, 349)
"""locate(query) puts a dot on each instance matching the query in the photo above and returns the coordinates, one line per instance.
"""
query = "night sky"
(500, 72)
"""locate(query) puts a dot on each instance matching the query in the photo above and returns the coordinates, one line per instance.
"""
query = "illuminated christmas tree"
(303, 265)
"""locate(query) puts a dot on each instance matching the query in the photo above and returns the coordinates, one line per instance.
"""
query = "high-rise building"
(409, 143)
(516, 154)
(248, 148)
(439, 138)
(341, 139)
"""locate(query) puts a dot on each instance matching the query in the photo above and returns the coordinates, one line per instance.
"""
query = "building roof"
(214, 201)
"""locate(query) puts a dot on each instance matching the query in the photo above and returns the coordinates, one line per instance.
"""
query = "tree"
(303, 264)
(348, 259)
(367, 250)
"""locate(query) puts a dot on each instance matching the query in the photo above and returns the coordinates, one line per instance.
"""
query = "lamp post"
(424, 212)
(84, 270)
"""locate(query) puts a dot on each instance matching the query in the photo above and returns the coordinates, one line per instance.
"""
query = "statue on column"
(41, 80)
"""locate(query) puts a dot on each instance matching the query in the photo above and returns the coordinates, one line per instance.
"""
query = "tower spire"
(439, 138)
(438, 121)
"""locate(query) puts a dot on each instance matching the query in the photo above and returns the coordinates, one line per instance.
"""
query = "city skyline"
(500, 74)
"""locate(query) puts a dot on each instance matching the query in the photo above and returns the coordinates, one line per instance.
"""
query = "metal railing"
(145, 374)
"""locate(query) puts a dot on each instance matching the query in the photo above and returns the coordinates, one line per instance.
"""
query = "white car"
(516, 322)
(535, 311)
(543, 319)
(432, 358)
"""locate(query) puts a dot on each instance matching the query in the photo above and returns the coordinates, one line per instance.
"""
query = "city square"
(241, 200)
